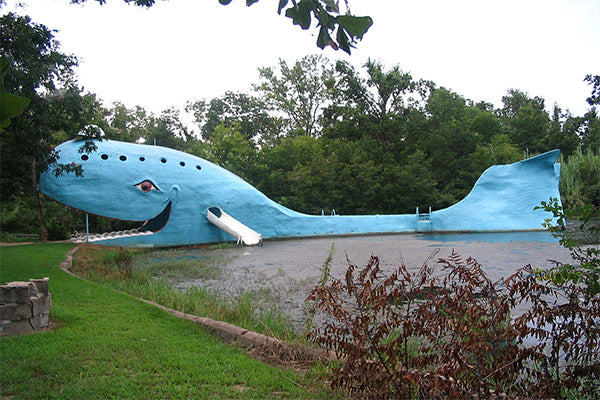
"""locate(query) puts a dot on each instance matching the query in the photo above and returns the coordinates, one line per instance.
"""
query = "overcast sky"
(186, 50)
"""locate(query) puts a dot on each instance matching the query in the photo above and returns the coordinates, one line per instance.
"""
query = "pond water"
(285, 271)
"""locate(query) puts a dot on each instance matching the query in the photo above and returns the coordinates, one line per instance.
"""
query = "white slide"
(235, 228)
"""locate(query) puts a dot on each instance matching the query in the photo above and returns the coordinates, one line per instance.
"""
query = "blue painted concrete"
(138, 182)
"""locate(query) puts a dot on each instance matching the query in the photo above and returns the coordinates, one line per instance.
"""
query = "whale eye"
(146, 186)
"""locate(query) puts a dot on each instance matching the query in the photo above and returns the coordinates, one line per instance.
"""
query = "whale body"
(177, 197)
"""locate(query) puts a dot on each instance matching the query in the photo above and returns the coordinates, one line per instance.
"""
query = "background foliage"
(313, 135)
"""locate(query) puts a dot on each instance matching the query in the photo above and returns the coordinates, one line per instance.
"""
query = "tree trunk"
(38, 203)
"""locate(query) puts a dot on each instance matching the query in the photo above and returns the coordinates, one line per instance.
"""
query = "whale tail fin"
(548, 158)
(505, 197)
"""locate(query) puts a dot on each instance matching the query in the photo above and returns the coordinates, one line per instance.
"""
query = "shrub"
(586, 269)
(580, 179)
(57, 232)
(449, 332)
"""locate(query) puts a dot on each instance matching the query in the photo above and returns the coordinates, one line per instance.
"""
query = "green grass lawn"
(108, 345)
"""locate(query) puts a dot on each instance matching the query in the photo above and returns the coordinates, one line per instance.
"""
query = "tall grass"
(154, 274)
(580, 179)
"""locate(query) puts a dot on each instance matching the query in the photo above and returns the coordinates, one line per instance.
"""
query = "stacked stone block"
(24, 307)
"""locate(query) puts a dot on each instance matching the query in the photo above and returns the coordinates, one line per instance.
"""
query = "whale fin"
(548, 158)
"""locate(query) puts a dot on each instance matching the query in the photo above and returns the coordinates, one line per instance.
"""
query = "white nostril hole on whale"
(122, 158)
(198, 167)
(163, 160)
(182, 164)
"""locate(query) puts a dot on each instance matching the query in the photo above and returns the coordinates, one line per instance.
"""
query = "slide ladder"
(235, 228)
(424, 221)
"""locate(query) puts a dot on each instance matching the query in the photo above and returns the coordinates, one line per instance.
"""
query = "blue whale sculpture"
(180, 199)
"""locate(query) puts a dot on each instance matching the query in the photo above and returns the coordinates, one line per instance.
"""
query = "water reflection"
(490, 237)
(287, 270)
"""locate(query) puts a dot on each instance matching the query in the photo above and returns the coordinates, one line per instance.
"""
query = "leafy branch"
(586, 270)
(340, 31)
(11, 105)
(347, 29)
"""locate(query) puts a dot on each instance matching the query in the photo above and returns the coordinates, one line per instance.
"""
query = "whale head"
(134, 182)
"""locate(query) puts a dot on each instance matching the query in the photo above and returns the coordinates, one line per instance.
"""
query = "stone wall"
(24, 307)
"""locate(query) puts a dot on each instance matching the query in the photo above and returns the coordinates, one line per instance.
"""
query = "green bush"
(580, 180)
(57, 232)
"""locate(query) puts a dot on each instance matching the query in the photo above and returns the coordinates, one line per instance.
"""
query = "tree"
(379, 94)
(277, 179)
(591, 120)
(298, 91)
(564, 131)
(43, 75)
(390, 87)
(482, 121)
(448, 143)
(127, 124)
(525, 121)
(168, 130)
(590, 131)
(337, 30)
(375, 106)
(248, 112)
(593, 80)
(228, 148)
(138, 125)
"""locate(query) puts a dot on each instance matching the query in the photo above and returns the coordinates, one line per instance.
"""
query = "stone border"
(265, 345)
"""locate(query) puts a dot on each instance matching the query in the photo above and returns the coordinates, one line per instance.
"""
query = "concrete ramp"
(235, 228)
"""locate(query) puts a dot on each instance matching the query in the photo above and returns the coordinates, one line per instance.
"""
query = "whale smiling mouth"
(148, 227)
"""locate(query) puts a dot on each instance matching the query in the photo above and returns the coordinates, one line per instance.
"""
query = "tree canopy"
(313, 135)
(44, 76)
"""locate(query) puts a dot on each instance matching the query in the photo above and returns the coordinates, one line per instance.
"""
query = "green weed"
(155, 275)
